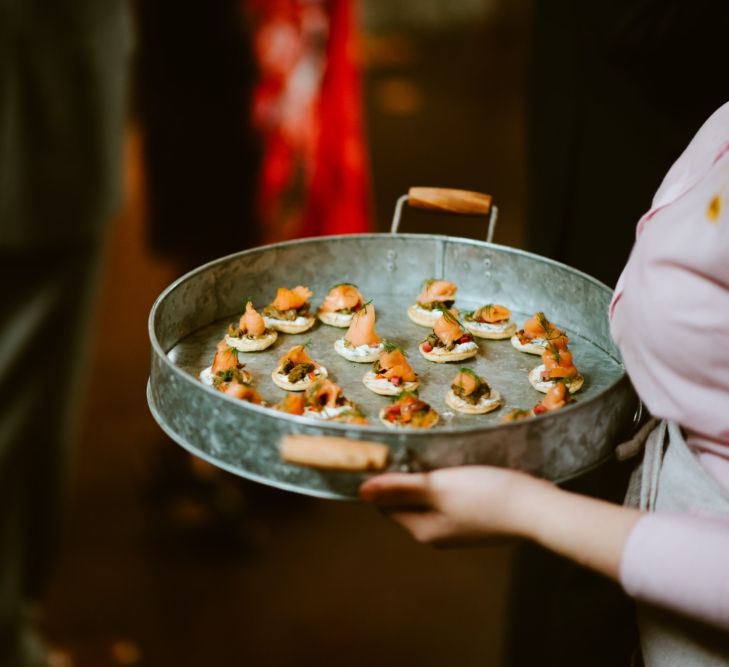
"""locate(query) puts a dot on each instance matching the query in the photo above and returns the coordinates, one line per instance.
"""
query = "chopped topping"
(231, 375)
(236, 383)
(300, 372)
(296, 364)
(286, 315)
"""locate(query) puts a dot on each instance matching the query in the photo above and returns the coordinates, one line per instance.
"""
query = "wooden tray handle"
(452, 201)
(328, 453)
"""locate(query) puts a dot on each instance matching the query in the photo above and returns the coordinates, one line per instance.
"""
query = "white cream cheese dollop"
(534, 346)
(360, 352)
(271, 322)
(327, 413)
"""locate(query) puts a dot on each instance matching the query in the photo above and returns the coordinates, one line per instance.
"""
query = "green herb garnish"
(362, 310)
(391, 346)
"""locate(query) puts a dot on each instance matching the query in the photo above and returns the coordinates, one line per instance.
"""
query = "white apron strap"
(673, 480)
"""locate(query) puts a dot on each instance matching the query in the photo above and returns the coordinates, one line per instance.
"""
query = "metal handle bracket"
(492, 210)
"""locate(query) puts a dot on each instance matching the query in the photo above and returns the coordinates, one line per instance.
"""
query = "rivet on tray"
(391, 254)
(390, 266)
(487, 274)
(487, 262)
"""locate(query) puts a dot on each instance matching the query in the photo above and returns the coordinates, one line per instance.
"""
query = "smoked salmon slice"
(225, 359)
(537, 326)
(251, 322)
(467, 382)
(342, 297)
(296, 355)
(292, 404)
(556, 397)
(287, 299)
(446, 327)
(558, 362)
(437, 290)
(492, 313)
(242, 391)
(362, 329)
(323, 394)
(394, 364)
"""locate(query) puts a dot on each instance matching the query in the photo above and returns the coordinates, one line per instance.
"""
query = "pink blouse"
(670, 318)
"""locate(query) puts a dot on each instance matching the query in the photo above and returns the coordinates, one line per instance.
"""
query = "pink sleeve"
(680, 562)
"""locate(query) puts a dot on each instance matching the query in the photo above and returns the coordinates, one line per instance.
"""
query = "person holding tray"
(669, 546)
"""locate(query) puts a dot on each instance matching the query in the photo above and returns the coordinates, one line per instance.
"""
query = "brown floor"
(294, 581)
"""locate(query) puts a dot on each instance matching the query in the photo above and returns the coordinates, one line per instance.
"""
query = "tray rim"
(373, 428)
(323, 494)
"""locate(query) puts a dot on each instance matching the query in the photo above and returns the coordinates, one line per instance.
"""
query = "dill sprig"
(391, 346)
(554, 351)
(544, 322)
(449, 316)
(362, 310)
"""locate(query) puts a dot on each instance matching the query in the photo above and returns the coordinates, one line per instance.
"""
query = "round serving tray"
(191, 316)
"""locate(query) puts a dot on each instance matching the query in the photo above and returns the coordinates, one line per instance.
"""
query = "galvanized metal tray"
(191, 316)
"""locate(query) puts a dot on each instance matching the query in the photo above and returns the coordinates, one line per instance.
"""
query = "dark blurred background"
(566, 114)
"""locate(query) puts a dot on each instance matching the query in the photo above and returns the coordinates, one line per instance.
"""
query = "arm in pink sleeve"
(680, 562)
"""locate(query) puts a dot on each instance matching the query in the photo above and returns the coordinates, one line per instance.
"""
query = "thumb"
(397, 490)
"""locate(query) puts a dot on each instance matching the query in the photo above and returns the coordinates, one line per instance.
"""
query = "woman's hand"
(475, 504)
(455, 506)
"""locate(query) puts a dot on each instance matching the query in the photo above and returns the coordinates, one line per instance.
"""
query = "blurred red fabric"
(307, 106)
